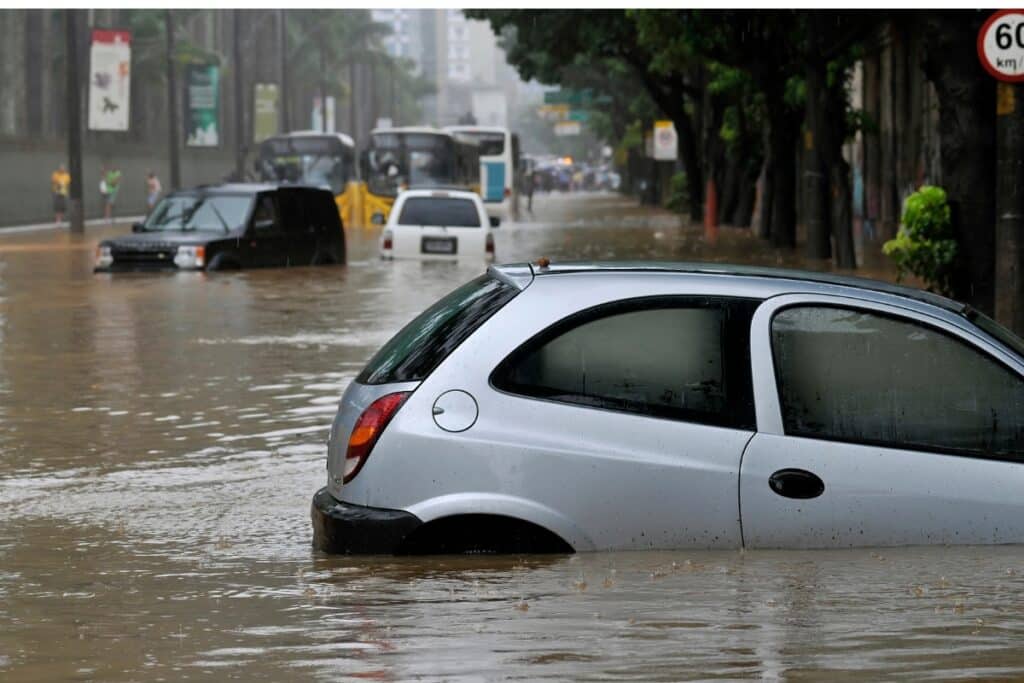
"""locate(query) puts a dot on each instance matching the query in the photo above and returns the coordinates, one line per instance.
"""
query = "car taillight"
(388, 242)
(368, 429)
(508, 192)
(489, 245)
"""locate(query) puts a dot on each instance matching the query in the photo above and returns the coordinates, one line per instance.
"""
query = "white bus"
(499, 168)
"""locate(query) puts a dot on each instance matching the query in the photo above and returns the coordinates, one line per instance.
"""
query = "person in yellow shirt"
(60, 184)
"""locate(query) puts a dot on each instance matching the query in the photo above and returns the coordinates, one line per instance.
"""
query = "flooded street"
(161, 437)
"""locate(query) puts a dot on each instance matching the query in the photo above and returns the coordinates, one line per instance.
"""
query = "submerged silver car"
(576, 407)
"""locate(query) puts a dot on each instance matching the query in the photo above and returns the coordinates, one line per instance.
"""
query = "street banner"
(202, 98)
(666, 142)
(110, 58)
(266, 115)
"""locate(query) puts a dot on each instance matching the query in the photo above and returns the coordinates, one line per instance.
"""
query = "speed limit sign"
(1001, 45)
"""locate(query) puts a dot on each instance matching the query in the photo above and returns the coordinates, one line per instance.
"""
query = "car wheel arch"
(504, 506)
(224, 261)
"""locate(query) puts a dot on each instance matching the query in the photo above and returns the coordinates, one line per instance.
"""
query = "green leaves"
(924, 245)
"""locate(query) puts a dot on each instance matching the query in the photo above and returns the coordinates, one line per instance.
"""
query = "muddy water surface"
(161, 437)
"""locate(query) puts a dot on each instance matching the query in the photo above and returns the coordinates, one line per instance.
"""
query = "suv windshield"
(199, 212)
(420, 346)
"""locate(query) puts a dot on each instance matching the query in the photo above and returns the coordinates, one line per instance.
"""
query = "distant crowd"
(109, 187)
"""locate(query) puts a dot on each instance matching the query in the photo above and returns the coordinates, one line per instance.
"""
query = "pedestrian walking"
(112, 179)
(60, 184)
(528, 183)
(103, 189)
(153, 189)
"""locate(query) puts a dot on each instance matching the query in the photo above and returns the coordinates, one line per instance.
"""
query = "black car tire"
(223, 262)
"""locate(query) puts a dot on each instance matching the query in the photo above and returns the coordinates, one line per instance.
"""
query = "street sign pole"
(74, 108)
(1001, 51)
(172, 105)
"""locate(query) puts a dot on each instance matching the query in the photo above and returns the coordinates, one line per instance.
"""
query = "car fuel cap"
(455, 411)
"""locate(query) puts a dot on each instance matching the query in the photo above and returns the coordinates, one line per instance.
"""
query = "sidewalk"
(92, 222)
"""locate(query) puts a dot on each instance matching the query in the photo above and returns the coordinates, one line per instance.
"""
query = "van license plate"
(439, 245)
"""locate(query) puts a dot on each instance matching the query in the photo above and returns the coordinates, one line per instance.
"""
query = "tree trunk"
(967, 147)
(815, 172)
(842, 215)
(783, 131)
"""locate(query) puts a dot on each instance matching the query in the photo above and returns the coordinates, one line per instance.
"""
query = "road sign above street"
(1001, 45)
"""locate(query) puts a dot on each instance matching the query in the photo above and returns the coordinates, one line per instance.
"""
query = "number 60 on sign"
(1001, 45)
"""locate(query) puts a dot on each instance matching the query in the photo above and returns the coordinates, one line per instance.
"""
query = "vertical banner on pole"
(266, 103)
(110, 57)
(202, 119)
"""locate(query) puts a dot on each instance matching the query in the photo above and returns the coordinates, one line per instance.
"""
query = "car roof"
(521, 274)
(439, 193)
(242, 188)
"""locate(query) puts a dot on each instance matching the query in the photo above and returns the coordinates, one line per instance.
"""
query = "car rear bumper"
(344, 528)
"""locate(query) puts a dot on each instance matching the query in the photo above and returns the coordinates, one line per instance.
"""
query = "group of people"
(110, 185)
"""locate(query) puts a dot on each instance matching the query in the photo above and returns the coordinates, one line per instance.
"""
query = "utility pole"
(282, 35)
(323, 79)
(172, 105)
(240, 134)
(1010, 205)
(72, 87)
(394, 95)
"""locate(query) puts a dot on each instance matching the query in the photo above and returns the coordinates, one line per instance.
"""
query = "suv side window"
(851, 375)
(264, 216)
(685, 358)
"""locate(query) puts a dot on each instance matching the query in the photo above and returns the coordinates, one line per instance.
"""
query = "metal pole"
(1010, 206)
(394, 95)
(74, 121)
(282, 27)
(172, 105)
(239, 98)
(323, 77)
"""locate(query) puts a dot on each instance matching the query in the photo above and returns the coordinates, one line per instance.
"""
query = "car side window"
(852, 375)
(264, 217)
(683, 358)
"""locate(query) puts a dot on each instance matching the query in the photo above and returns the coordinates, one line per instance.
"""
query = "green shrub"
(678, 193)
(924, 245)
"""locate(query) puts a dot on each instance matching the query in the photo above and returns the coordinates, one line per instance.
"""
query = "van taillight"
(368, 429)
(388, 242)
(508, 192)
(489, 244)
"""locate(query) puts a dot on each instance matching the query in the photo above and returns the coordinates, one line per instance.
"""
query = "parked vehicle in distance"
(586, 407)
(230, 226)
(438, 225)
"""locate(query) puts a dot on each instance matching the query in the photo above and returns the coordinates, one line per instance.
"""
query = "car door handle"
(794, 483)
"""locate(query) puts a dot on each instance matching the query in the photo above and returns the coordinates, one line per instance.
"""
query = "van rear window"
(440, 212)
(420, 346)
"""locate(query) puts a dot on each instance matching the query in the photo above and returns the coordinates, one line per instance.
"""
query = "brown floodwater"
(161, 437)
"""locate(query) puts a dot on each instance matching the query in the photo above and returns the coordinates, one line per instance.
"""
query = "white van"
(438, 225)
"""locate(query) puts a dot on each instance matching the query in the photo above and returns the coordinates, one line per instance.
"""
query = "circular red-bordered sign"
(1001, 45)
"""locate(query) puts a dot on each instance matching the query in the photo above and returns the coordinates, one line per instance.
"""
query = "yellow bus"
(314, 158)
(398, 159)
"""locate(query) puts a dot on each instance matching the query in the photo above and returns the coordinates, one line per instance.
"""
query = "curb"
(92, 222)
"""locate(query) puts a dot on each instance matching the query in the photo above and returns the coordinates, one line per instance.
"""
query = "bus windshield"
(318, 161)
(491, 144)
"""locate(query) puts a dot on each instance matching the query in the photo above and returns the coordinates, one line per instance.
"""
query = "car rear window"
(413, 353)
(440, 211)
